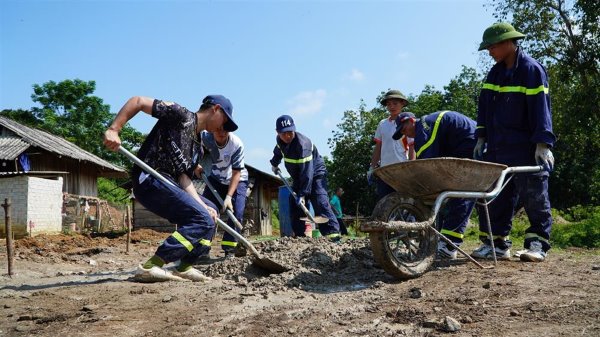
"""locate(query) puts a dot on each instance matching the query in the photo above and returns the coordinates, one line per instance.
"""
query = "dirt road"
(79, 286)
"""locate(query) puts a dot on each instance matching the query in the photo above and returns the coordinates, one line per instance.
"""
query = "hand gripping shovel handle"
(304, 209)
(216, 194)
(158, 176)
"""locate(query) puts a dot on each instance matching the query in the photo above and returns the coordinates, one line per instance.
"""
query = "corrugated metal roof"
(55, 144)
(11, 147)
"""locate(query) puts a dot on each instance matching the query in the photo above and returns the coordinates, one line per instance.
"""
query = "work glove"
(227, 204)
(478, 150)
(300, 201)
(544, 157)
(275, 170)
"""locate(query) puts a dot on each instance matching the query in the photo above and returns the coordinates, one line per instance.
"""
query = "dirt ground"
(80, 286)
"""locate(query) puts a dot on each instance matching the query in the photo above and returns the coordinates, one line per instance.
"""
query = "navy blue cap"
(225, 104)
(285, 123)
(403, 117)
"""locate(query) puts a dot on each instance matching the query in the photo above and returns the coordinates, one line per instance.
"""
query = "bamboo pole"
(128, 228)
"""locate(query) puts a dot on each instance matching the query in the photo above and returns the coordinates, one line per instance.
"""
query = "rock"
(514, 312)
(415, 293)
(292, 330)
(89, 307)
(93, 262)
(431, 324)
(450, 324)
(596, 267)
(167, 299)
(487, 285)
(467, 319)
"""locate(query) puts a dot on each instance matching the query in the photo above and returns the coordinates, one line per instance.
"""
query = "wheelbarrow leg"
(448, 241)
(484, 204)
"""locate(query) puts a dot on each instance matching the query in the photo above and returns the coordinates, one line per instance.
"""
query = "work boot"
(154, 274)
(192, 274)
(535, 253)
(229, 255)
(445, 251)
(485, 252)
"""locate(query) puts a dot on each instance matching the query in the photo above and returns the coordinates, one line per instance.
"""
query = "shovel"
(262, 262)
(314, 219)
(216, 194)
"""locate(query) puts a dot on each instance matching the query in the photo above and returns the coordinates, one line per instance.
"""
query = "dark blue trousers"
(238, 199)
(455, 217)
(320, 202)
(382, 189)
(195, 226)
(529, 190)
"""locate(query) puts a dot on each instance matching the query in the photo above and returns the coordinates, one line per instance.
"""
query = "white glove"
(478, 150)
(370, 173)
(275, 169)
(227, 204)
(544, 157)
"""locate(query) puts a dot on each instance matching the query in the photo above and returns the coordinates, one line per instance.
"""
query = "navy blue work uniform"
(307, 169)
(172, 149)
(448, 134)
(514, 114)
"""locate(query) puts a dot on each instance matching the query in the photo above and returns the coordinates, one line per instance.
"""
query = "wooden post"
(128, 228)
(9, 238)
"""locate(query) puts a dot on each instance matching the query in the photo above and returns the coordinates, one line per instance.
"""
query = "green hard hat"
(499, 32)
(393, 94)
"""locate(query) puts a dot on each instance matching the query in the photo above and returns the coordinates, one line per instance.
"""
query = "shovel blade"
(269, 265)
(318, 219)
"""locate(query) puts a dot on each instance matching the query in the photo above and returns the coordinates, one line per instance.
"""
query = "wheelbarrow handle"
(160, 177)
(303, 207)
(220, 200)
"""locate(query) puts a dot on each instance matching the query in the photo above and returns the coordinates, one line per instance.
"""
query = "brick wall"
(36, 205)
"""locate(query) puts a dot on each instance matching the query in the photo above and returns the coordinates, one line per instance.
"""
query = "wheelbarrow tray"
(425, 179)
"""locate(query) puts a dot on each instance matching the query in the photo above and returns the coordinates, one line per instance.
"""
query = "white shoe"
(535, 253)
(485, 252)
(154, 274)
(445, 251)
(192, 274)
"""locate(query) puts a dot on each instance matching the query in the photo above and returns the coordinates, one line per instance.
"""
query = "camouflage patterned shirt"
(172, 148)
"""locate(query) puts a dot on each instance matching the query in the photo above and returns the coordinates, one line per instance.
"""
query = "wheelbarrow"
(404, 228)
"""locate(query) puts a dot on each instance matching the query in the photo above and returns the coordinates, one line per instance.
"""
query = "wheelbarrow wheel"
(403, 254)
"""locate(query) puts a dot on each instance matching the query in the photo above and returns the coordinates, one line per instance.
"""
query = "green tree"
(352, 147)
(564, 36)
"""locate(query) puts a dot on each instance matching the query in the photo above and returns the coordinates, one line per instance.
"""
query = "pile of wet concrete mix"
(314, 264)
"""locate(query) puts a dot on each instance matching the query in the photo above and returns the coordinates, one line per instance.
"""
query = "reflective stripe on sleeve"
(521, 89)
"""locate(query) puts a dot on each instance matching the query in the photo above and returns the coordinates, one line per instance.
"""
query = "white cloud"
(356, 75)
(307, 103)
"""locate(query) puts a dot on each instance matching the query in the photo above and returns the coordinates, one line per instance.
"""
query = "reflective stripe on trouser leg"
(501, 212)
(455, 218)
(533, 191)
(177, 206)
(239, 203)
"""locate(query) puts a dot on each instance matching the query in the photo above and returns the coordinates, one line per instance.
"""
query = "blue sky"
(310, 59)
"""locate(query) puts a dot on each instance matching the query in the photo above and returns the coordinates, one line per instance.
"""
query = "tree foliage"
(69, 110)
(564, 36)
